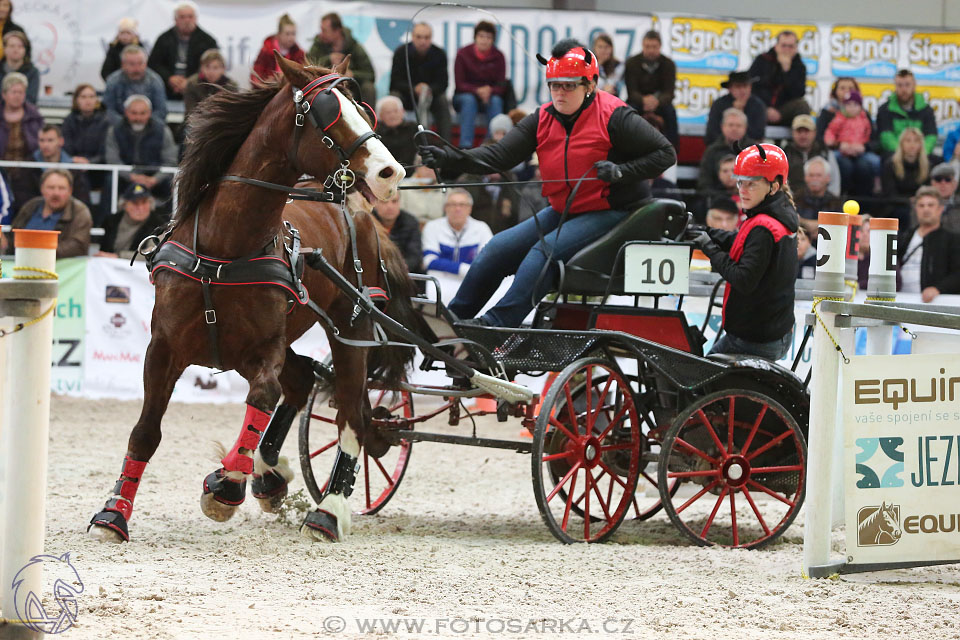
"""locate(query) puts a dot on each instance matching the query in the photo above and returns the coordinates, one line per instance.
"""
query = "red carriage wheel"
(586, 455)
(741, 457)
(378, 478)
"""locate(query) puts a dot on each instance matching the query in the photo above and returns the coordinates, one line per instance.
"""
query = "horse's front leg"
(331, 520)
(224, 490)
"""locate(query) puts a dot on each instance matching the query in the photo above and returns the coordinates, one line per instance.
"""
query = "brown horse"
(263, 134)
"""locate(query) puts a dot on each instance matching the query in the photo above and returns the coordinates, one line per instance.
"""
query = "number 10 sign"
(656, 267)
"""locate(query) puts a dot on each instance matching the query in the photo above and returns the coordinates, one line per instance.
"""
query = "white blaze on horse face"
(381, 170)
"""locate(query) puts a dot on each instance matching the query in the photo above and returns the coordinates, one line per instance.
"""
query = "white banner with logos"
(70, 38)
(901, 458)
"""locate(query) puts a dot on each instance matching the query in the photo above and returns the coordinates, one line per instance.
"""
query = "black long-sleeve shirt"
(430, 68)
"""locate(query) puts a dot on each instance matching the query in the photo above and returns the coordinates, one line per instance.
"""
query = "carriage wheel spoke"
(323, 448)
(753, 429)
(771, 493)
(571, 411)
(586, 505)
(366, 476)
(589, 392)
(710, 473)
(756, 511)
(780, 438)
(555, 456)
(600, 406)
(730, 425)
(692, 449)
(713, 434)
(617, 447)
(562, 427)
(794, 467)
(603, 505)
(317, 416)
(610, 490)
(610, 472)
(733, 518)
(618, 416)
(697, 496)
(386, 475)
(566, 510)
(563, 481)
(649, 479)
(713, 514)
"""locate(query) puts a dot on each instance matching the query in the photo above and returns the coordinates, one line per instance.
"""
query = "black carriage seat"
(589, 271)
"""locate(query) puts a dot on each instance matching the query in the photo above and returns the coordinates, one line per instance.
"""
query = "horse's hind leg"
(271, 472)
(225, 489)
(160, 373)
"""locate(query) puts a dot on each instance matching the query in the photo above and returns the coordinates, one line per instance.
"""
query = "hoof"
(269, 489)
(221, 496)
(108, 526)
(320, 526)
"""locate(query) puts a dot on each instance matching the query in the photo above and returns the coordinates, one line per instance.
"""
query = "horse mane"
(868, 522)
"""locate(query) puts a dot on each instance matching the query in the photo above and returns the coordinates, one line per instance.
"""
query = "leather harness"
(265, 267)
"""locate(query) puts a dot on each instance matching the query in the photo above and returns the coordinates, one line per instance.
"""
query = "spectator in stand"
(950, 145)
(211, 78)
(7, 24)
(50, 149)
(394, 131)
(928, 256)
(804, 145)
(145, 142)
(451, 243)
(781, 80)
(425, 204)
(739, 86)
(611, 69)
(176, 53)
(126, 35)
(138, 217)
(404, 230)
(428, 75)
(56, 210)
(863, 257)
(815, 195)
(806, 256)
(18, 135)
(6, 205)
(723, 214)
(480, 72)
(905, 109)
(499, 127)
(84, 132)
(651, 78)
(903, 173)
(15, 59)
(733, 138)
(333, 44)
(849, 133)
(838, 94)
(943, 178)
(265, 67)
(134, 78)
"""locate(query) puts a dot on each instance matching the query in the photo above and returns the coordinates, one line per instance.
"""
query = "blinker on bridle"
(324, 111)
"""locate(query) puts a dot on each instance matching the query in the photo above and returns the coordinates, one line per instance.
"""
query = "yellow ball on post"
(851, 207)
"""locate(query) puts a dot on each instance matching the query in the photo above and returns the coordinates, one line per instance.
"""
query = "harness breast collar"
(263, 267)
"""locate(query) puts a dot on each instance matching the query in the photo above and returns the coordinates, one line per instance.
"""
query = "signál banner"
(901, 458)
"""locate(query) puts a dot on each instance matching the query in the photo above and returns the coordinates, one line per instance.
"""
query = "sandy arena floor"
(461, 546)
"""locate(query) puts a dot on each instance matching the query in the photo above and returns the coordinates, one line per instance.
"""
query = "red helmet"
(573, 66)
(762, 161)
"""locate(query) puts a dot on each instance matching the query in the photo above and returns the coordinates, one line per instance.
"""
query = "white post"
(882, 283)
(831, 251)
(4, 406)
(24, 509)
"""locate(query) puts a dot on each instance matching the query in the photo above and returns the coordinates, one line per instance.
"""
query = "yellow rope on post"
(44, 275)
(912, 335)
(816, 302)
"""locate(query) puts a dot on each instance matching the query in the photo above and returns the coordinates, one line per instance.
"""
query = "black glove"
(701, 239)
(433, 157)
(608, 171)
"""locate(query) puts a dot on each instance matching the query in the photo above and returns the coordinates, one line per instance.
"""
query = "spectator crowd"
(892, 163)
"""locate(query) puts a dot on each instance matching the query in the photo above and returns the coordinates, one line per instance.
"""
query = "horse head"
(890, 520)
(336, 137)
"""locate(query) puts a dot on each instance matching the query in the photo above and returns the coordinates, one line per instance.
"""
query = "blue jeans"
(774, 350)
(858, 174)
(518, 250)
(467, 104)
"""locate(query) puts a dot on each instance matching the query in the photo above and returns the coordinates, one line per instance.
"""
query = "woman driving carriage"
(580, 133)
(759, 261)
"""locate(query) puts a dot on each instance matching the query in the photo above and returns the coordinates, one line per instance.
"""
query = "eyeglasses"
(748, 183)
(566, 87)
(942, 178)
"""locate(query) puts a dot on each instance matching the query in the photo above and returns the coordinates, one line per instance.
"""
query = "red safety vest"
(564, 157)
(775, 227)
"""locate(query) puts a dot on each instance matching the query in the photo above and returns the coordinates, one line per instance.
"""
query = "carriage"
(632, 419)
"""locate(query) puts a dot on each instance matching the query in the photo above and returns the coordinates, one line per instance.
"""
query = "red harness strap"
(254, 424)
(126, 488)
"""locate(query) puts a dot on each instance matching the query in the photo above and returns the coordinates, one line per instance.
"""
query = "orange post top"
(699, 255)
(854, 221)
(884, 224)
(828, 217)
(33, 239)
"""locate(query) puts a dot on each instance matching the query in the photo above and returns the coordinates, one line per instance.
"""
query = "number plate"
(656, 268)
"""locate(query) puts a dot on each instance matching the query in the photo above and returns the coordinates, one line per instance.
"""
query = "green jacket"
(892, 120)
(360, 63)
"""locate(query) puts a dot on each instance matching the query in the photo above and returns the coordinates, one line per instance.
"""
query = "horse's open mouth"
(365, 190)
